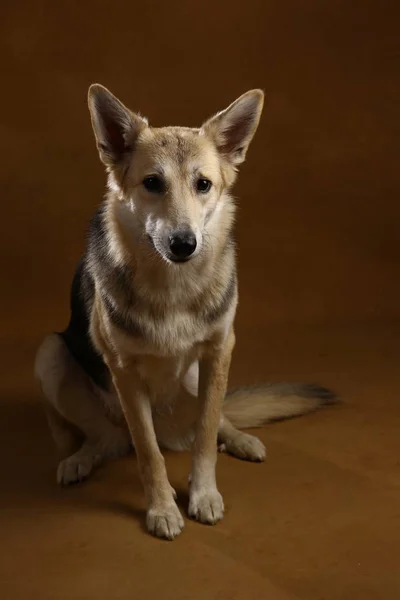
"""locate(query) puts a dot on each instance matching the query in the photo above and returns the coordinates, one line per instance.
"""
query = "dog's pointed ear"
(115, 126)
(233, 129)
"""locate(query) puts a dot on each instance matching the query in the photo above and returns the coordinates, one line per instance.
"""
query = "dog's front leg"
(163, 517)
(206, 504)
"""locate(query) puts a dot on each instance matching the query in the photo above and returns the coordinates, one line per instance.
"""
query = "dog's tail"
(256, 405)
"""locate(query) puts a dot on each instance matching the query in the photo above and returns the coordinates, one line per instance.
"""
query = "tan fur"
(169, 359)
(253, 408)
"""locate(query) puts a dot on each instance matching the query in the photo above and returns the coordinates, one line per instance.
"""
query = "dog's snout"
(182, 244)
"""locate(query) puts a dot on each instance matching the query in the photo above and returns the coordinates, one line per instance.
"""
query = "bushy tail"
(254, 406)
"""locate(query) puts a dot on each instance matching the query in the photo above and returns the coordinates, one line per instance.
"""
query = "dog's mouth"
(175, 259)
(151, 241)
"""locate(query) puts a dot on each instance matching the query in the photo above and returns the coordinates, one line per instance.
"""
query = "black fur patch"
(314, 390)
(181, 149)
(112, 277)
(217, 311)
(121, 320)
(76, 336)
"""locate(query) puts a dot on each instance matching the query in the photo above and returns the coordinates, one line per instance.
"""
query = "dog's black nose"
(182, 244)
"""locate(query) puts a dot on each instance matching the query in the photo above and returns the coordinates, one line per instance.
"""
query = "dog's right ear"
(115, 126)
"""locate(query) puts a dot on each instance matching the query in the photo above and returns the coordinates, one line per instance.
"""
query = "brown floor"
(320, 293)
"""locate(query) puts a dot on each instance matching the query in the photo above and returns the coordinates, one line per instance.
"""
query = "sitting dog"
(145, 358)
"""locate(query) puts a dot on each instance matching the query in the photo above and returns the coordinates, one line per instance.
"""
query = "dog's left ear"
(233, 129)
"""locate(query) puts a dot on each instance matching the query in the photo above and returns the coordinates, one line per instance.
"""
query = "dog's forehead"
(178, 147)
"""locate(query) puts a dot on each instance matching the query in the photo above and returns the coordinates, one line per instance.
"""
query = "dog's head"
(172, 182)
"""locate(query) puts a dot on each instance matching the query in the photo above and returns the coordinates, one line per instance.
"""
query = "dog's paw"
(206, 506)
(165, 521)
(76, 468)
(246, 447)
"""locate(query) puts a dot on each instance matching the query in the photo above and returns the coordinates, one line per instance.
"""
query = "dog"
(144, 361)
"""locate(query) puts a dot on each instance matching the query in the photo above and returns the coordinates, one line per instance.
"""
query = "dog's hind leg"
(239, 444)
(67, 438)
(76, 411)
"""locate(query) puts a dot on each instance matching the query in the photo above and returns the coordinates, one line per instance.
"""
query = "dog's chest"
(174, 331)
(168, 321)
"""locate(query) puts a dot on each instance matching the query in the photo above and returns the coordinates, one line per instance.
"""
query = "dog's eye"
(203, 185)
(154, 184)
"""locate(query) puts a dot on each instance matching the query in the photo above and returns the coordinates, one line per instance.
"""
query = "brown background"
(320, 295)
